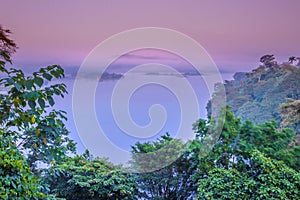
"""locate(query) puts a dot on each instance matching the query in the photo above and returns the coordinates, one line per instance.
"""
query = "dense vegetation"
(250, 160)
(257, 95)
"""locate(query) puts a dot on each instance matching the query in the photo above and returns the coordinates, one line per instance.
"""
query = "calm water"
(139, 105)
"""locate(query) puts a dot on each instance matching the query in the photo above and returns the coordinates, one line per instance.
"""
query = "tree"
(266, 179)
(231, 168)
(16, 180)
(221, 154)
(171, 181)
(268, 60)
(292, 59)
(84, 177)
(223, 147)
(31, 132)
(221, 183)
(227, 142)
(25, 109)
(237, 141)
(271, 141)
(234, 169)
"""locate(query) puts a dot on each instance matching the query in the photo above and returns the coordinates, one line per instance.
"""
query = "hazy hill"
(257, 95)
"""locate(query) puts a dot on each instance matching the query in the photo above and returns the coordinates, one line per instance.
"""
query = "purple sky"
(235, 33)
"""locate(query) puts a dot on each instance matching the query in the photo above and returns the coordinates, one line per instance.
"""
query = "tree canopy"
(85, 177)
(266, 179)
(173, 181)
(16, 180)
(32, 132)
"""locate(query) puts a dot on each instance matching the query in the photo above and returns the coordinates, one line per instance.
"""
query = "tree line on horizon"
(249, 160)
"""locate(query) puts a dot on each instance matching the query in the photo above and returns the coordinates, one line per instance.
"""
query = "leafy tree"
(292, 59)
(268, 60)
(25, 109)
(16, 180)
(84, 177)
(226, 145)
(250, 175)
(31, 132)
(223, 147)
(268, 139)
(170, 181)
(200, 148)
(221, 183)
(237, 141)
(235, 168)
(266, 179)
(231, 168)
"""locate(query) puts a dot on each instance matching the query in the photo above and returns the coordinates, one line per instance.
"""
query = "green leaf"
(55, 74)
(41, 103)
(18, 86)
(10, 81)
(29, 84)
(31, 104)
(39, 81)
(51, 101)
(47, 76)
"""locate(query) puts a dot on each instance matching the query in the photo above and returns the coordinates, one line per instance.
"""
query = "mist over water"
(140, 103)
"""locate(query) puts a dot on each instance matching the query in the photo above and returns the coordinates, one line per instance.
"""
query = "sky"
(235, 33)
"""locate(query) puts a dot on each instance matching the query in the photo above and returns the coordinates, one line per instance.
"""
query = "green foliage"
(172, 181)
(221, 183)
(226, 145)
(237, 141)
(269, 140)
(153, 156)
(257, 95)
(16, 181)
(267, 179)
(83, 177)
(235, 168)
(223, 147)
(273, 178)
(31, 132)
(25, 108)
